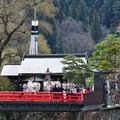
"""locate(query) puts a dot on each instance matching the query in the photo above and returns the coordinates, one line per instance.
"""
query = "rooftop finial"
(35, 4)
(35, 13)
(34, 33)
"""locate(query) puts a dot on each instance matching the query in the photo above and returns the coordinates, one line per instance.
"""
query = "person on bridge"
(60, 88)
(67, 89)
(55, 89)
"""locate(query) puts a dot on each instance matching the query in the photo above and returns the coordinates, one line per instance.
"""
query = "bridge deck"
(41, 101)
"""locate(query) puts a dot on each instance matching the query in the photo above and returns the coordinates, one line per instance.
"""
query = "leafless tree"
(73, 38)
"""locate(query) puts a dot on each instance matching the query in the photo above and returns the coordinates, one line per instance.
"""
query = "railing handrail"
(41, 96)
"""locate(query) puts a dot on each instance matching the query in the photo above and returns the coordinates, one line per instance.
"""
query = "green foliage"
(14, 27)
(90, 81)
(46, 12)
(74, 12)
(110, 12)
(46, 9)
(107, 54)
(46, 28)
(116, 11)
(75, 69)
(82, 13)
(96, 31)
(11, 22)
(5, 84)
(98, 4)
(95, 15)
(10, 56)
(106, 57)
(44, 48)
(67, 9)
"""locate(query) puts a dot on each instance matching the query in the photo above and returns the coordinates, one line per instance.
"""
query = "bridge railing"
(41, 96)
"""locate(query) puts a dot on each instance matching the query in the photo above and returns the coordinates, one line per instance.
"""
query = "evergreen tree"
(67, 9)
(56, 3)
(73, 10)
(91, 12)
(60, 5)
(98, 4)
(61, 9)
(76, 69)
(106, 57)
(82, 14)
(90, 2)
(107, 12)
(96, 32)
(116, 11)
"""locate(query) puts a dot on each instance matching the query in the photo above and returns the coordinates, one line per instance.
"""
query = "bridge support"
(37, 106)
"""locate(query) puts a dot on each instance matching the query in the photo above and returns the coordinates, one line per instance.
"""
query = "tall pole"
(34, 34)
(35, 13)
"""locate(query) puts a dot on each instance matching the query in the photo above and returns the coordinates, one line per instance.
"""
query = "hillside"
(66, 26)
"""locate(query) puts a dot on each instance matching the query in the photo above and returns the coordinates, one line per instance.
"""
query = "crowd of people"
(31, 86)
(54, 86)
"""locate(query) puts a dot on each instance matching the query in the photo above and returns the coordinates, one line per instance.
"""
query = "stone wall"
(112, 113)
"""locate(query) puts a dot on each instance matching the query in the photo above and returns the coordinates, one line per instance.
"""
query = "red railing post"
(64, 95)
(32, 96)
(43, 96)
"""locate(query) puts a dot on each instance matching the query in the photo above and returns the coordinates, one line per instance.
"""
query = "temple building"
(34, 66)
(37, 68)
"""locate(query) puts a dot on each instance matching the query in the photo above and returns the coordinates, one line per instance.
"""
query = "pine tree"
(106, 57)
(73, 10)
(82, 13)
(90, 2)
(67, 9)
(61, 9)
(76, 69)
(107, 12)
(56, 3)
(98, 4)
(96, 28)
(116, 11)
(91, 12)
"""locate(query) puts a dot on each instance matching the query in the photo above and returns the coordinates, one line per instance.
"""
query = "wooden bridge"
(41, 101)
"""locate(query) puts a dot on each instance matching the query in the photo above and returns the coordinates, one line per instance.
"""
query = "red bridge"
(42, 96)
(53, 101)
(41, 101)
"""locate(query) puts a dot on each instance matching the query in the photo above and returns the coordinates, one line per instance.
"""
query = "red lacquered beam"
(41, 96)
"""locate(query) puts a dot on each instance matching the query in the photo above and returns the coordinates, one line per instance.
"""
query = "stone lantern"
(48, 76)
